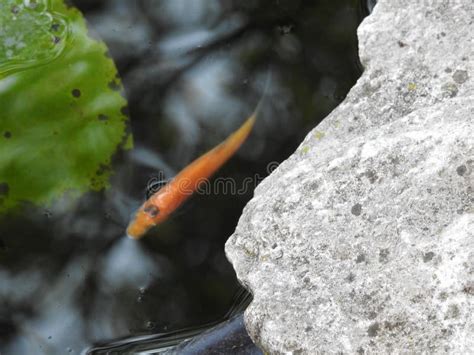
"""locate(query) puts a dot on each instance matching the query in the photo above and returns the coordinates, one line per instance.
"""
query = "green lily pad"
(62, 112)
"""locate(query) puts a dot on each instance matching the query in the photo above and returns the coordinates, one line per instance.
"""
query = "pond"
(192, 71)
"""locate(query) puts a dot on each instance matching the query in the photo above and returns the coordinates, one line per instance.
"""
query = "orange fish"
(162, 203)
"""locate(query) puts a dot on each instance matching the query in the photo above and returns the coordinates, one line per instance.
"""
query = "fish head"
(146, 217)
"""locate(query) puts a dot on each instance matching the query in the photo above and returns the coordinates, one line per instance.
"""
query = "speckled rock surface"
(363, 240)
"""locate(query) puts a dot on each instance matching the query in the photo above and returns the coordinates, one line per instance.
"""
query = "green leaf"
(62, 112)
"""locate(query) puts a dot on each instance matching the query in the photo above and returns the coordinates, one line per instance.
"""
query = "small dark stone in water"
(401, 44)
(76, 93)
(7, 134)
(448, 70)
(55, 27)
(56, 39)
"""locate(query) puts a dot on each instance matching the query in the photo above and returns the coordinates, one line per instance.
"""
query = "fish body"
(165, 201)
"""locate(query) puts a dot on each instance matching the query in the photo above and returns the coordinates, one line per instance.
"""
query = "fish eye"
(152, 210)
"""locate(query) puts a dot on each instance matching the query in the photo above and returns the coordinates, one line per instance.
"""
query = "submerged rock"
(363, 240)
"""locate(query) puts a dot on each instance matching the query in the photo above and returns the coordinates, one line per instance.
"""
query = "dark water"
(193, 70)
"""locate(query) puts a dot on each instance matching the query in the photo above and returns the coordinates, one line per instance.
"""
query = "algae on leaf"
(61, 107)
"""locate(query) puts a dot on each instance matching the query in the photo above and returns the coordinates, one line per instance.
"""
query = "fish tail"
(236, 139)
(264, 94)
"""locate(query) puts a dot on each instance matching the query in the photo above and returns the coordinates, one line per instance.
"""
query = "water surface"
(192, 72)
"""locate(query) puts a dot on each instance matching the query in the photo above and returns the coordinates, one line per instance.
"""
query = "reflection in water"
(220, 337)
(192, 71)
(370, 4)
(30, 34)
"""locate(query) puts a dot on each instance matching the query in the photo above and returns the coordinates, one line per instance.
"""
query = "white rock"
(363, 240)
